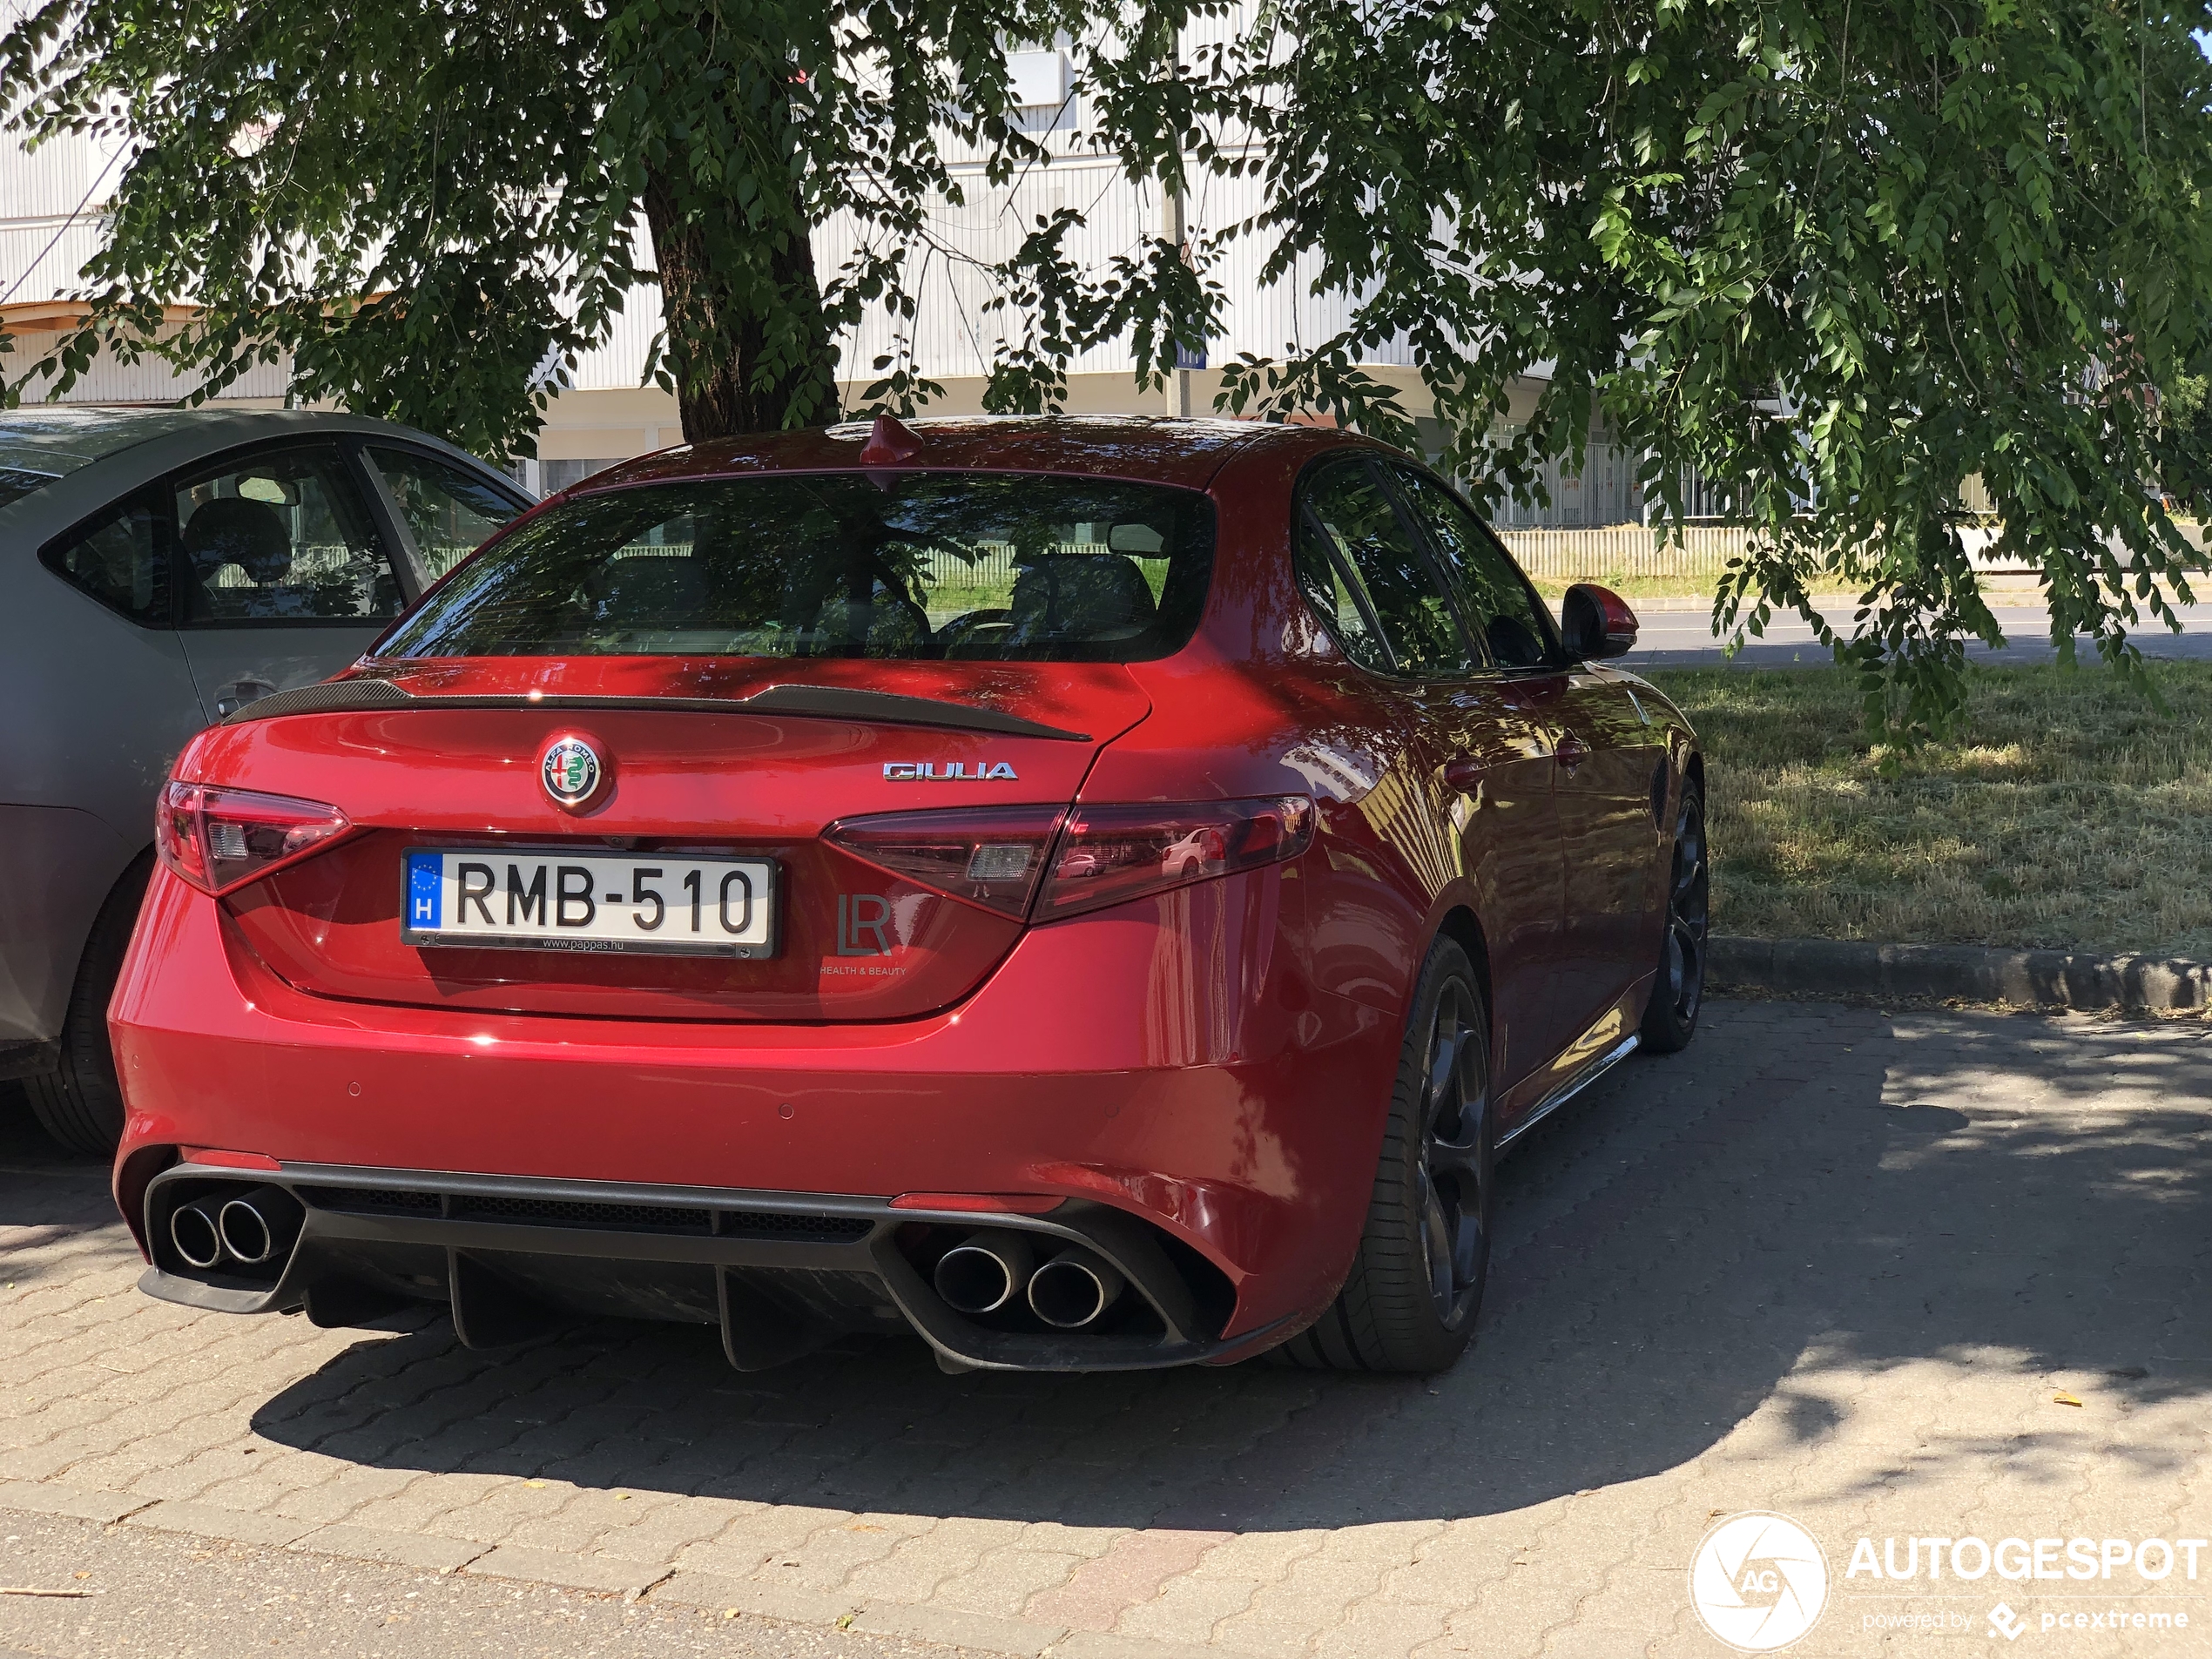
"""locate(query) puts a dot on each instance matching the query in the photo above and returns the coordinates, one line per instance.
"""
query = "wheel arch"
(136, 869)
(136, 866)
(78, 1100)
(1464, 927)
(1374, 1321)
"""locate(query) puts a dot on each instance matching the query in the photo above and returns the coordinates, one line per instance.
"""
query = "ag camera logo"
(1758, 1580)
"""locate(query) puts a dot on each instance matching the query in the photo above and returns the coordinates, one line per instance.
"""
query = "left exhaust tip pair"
(986, 1270)
(251, 1228)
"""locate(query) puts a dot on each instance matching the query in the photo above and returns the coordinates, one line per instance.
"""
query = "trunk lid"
(854, 941)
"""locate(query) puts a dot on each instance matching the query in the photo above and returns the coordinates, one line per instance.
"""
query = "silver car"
(158, 568)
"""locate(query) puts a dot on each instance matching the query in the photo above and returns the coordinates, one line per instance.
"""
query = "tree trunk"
(732, 375)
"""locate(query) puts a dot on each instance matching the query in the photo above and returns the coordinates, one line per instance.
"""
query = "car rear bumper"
(779, 1273)
(1211, 1128)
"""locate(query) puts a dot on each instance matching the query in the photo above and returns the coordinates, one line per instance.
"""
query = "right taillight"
(1108, 854)
(1042, 862)
(989, 855)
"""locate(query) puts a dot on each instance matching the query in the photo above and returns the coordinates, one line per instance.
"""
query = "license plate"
(534, 898)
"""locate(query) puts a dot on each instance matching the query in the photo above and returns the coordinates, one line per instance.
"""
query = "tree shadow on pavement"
(1810, 1195)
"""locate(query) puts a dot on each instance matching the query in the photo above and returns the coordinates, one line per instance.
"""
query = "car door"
(1603, 752)
(1608, 754)
(123, 723)
(1488, 773)
(286, 575)
(100, 698)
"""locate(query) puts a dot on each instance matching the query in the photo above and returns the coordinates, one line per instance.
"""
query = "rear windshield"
(989, 566)
(23, 471)
(16, 483)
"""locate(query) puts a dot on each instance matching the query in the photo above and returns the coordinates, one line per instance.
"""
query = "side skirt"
(1573, 1086)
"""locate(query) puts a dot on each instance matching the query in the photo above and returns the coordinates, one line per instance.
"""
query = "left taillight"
(220, 839)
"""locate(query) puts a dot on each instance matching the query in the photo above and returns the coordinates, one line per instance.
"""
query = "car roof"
(1155, 448)
(59, 440)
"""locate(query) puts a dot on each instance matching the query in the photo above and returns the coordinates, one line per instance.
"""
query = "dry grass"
(1633, 588)
(2069, 812)
(1999, 589)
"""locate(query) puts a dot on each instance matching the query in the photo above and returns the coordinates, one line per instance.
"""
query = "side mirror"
(1596, 622)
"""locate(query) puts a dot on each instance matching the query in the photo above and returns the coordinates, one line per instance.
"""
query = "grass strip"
(2067, 813)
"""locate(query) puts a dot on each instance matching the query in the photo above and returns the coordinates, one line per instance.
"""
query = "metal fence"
(994, 563)
(992, 566)
(1619, 552)
(1624, 550)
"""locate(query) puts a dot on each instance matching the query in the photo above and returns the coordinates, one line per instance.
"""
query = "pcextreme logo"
(1758, 1580)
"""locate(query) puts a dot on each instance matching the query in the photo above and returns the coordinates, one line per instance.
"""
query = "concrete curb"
(2040, 979)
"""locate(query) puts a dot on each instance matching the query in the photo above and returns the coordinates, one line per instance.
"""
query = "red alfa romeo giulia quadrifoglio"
(1097, 893)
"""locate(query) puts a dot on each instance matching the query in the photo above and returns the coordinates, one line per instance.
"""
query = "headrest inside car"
(233, 530)
(1081, 596)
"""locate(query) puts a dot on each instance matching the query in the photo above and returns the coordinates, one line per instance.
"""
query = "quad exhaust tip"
(198, 1234)
(1073, 1289)
(246, 1233)
(984, 1272)
(987, 1272)
(250, 1229)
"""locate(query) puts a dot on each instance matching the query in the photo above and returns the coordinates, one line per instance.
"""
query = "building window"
(559, 475)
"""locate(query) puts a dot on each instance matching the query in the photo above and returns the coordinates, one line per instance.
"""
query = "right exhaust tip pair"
(986, 1270)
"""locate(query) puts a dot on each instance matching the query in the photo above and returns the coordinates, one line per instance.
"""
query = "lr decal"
(863, 924)
(920, 772)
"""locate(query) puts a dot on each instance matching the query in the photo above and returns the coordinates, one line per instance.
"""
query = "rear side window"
(1330, 592)
(916, 566)
(1353, 546)
(121, 560)
(281, 537)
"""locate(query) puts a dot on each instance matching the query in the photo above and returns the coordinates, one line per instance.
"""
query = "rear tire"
(1678, 988)
(1410, 1302)
(79, 1102)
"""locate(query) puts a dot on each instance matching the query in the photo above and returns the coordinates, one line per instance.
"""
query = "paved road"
(144, 1594)
(1832, 1262)
(1684, 639)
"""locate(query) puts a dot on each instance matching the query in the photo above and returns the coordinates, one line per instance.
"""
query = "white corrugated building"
(52, 200)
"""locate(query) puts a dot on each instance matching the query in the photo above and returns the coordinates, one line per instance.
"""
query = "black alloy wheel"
(1678, 990)
(1451, 1175)
(1410, 1301)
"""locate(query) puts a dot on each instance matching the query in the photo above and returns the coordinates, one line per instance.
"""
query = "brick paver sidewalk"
(1832, 1263)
